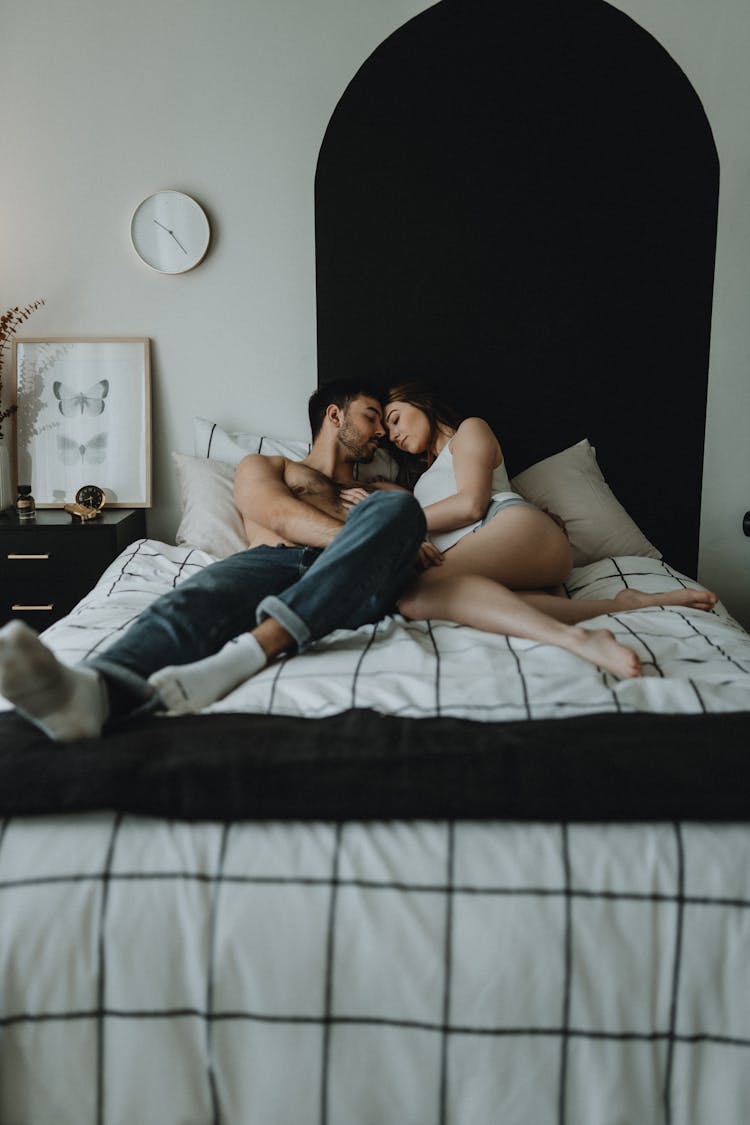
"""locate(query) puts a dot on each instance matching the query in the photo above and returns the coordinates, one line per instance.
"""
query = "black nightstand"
(47, 564)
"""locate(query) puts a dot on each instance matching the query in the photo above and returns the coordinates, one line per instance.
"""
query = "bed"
(420, 873)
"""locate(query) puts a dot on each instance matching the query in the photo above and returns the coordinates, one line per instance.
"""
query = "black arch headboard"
(518, 203)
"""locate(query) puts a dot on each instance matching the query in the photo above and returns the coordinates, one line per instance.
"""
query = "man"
(313, 565)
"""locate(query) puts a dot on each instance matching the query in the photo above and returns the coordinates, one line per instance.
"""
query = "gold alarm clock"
(90, 499)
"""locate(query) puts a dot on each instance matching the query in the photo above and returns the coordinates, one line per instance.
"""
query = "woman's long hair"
(438, 414)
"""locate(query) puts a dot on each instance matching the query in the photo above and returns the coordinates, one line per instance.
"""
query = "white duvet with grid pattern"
(422, 973)
(692, 661)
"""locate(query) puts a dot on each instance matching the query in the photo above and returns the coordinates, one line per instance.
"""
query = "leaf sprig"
(10, 321)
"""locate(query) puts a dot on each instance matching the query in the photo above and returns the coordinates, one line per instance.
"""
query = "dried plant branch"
(10, 321)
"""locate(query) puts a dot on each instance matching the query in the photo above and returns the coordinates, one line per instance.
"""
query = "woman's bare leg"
(521, 547)
(481, 603)
(524, 550)
(571, 611)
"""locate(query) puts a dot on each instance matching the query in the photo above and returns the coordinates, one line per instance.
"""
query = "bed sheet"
(693, 662)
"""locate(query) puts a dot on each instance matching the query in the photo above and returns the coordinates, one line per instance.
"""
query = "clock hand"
(174, 236)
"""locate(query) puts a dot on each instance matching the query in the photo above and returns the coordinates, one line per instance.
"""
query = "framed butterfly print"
(84, 417)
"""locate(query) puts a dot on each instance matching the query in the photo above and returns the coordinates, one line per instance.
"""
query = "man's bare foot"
(599, 647)
(66, 703)
(691, 599)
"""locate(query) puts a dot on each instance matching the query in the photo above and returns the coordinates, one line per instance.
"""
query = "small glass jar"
(25, 504)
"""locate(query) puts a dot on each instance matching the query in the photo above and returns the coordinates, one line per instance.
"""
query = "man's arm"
(263, 497)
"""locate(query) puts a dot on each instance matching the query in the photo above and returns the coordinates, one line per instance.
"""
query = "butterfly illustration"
(73, 452)
(90, 401)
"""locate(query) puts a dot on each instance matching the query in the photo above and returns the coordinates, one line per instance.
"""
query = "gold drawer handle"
(28, 556)
(32, 607)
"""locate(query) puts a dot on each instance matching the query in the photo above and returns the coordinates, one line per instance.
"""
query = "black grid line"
(638, 637)
(521, 676)
(436, 650)
(673, 574)
(698, 695)
(126, 557)
(210, 983)
(448, 969)
(509, 1031)
(185, 563)
(623, 576)
(709, 641)
(567, 976)
(102, 973)
(328, 985)
(280, 667)
(107, 636)
(668, 1070)
(620, 572)
(358, 665)
(455, 889)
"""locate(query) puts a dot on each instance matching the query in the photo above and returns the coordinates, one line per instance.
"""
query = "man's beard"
(352, 440)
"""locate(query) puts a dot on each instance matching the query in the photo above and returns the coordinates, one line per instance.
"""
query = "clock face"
(170, 232)
(91, 496)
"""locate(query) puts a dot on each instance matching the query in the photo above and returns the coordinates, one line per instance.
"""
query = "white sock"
(185, 688)
(65, 703)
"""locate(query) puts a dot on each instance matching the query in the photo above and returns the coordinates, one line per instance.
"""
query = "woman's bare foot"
(691, 599)
(599, 647)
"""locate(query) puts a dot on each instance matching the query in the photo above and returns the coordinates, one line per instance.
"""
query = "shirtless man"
(313, 565)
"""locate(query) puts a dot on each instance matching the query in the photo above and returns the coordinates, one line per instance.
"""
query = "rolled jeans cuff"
(271, 606)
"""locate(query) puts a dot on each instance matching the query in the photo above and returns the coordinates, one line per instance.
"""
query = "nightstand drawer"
(38, 616)
(59, 554)
(48, 564)
(40, 597)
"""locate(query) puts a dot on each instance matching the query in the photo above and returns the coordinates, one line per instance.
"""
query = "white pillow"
(571, 484)
(210, 520)
(211, 440)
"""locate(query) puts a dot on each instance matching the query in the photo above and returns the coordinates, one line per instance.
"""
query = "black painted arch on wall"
(518, 203)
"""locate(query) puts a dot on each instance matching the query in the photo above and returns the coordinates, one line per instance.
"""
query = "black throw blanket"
(360, 765)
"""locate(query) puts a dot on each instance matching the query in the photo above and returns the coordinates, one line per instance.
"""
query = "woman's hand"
(429, 555)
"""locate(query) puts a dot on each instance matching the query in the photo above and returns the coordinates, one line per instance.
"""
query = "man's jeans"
(308, 590)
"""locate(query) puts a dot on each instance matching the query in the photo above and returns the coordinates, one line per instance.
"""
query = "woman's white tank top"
(439, 481)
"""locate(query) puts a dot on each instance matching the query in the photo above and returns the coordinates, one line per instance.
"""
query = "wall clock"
(170, 232)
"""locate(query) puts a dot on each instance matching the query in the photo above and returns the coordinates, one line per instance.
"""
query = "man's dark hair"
(339, 392)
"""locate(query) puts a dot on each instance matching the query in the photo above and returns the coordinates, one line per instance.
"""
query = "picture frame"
(84, 417)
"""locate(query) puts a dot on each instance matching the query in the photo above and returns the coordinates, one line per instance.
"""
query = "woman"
(494, 560)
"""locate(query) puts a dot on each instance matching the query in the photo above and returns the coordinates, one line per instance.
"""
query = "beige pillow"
(571, 484)
(210, 520)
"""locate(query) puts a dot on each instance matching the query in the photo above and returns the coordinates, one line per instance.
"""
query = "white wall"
(711, 42)
(228, 100)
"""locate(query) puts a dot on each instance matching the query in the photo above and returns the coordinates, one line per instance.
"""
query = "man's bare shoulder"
(298, 476)
(259, 464)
